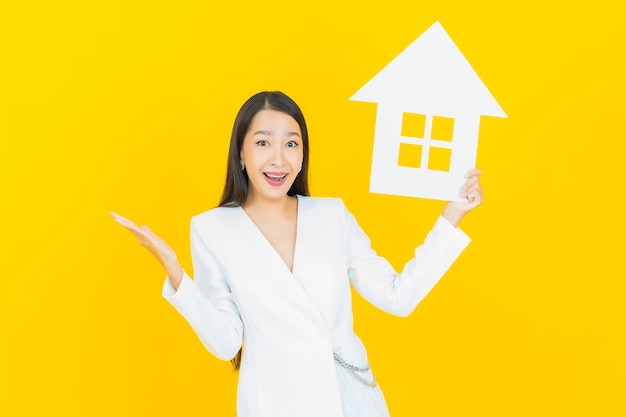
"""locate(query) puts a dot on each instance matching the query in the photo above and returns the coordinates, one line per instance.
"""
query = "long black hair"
(236, 187)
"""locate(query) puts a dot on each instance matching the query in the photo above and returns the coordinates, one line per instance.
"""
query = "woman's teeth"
(275, 178)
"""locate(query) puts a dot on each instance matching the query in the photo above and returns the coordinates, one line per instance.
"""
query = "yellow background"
(127, 106)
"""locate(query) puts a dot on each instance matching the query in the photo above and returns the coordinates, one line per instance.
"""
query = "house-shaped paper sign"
(430, 102)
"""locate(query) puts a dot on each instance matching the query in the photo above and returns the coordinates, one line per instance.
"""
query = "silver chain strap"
(352, 370)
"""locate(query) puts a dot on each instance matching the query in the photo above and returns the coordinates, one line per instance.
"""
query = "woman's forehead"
(273, 122)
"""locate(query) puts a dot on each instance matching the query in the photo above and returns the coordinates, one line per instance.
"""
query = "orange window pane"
(413, 125)
(410, 155)
(439, 159)
(443, 128)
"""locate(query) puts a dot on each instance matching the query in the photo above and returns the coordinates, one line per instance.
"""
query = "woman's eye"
(262, 143)
(291, 144)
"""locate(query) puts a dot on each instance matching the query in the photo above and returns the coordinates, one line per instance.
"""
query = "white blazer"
(290, 322)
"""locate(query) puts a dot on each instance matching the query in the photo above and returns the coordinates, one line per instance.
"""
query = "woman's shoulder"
(216, 215)
(321, 204)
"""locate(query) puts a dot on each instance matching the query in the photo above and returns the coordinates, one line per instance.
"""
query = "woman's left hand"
(472, 191)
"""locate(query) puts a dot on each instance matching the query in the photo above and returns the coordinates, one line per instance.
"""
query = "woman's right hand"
(156, 246)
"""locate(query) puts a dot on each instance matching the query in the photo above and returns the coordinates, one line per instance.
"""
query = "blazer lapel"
(291, 279)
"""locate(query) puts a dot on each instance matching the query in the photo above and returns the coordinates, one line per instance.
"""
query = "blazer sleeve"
(376, 280)
(206, 302)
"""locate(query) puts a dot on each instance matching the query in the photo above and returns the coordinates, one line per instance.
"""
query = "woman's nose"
(277, 158)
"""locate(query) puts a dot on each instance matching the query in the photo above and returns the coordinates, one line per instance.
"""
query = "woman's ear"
(242, 165)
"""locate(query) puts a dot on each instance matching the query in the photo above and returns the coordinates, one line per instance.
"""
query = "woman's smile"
(275, 178)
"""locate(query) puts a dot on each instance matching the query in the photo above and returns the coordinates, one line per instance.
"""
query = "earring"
(242, 164)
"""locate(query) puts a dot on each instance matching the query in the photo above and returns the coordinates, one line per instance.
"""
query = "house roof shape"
(431, 76)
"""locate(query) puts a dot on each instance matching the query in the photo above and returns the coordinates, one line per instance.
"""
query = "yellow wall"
(127, 106)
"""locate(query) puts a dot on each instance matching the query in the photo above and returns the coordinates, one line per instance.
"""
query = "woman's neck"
(283, 205)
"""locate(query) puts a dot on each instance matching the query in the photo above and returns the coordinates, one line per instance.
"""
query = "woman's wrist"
(452, 214)
(175, 272)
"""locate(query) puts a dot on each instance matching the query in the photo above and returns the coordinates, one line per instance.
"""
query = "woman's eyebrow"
(263, 132)
(270, 133)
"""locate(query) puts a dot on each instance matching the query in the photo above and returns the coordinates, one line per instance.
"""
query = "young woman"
(273, 269)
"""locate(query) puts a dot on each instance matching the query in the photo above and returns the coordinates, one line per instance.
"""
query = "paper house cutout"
(430, 101)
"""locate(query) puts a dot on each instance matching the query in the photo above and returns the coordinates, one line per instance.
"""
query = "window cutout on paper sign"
(443, 128)
(439, 159)
(410, 155)
(413, 125)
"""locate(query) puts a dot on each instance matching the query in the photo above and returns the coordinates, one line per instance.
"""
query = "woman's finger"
(474, 196)
(142, 233)
(468, 184)
(124, 221)
(473, 187)
(473, 172)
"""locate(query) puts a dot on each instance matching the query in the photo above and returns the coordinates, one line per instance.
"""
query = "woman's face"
(272, 152)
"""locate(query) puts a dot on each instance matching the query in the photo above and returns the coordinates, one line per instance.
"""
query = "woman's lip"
(275, 178)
